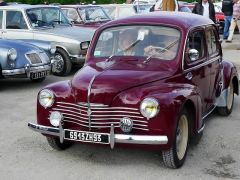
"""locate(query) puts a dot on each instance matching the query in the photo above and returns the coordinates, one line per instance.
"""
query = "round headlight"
(53, 49)
(149, 107)
(46, 98)
(55, 118)
(12, 54)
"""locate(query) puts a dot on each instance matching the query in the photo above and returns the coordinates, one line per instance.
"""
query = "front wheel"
(225, 111)
(62, 64)
(56, 144)
(175, 156)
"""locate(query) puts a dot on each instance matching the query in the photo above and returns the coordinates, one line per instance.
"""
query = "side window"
(211, 42)
(15, 20)
(1, 16)
(72, 14)
(196, 42)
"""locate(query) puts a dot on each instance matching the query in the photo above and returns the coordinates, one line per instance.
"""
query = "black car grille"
(102, 116)
(34, 58)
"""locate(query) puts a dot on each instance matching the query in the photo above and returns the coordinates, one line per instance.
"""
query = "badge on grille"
(126, 124)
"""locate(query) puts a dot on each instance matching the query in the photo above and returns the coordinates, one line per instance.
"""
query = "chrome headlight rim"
(12, 54)
(153, 101)
(40, 100)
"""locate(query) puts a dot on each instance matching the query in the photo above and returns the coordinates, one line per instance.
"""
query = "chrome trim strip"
(88, 103)
(92, 104)
(23, 70)
(88, 126)
(44, 129)
(201, 129)
(209, 112)
(203, 64)
(100, 123)
(114, 138)
(97, 115)
(97, 106)
(98, 111)
(137, 139)
(103, 119)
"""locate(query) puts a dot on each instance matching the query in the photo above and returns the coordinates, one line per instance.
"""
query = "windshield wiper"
(162, 50)
(132, 45)
(60, 22)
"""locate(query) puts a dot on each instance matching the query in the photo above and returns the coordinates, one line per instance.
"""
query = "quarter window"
(15, 20)
(211, 42)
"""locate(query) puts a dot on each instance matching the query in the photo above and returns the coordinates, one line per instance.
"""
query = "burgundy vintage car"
(86, 15)
(148, 81)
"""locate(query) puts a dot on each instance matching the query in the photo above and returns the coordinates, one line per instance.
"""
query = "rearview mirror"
(193, 54)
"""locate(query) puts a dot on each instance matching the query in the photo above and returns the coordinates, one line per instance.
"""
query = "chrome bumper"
(114, 138)
(26, 70)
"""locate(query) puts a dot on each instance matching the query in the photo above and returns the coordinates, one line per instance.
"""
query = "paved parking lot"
(25, 154)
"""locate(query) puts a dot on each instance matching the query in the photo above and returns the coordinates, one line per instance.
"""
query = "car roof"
(78, 6)
(180, 19)
(24, 6)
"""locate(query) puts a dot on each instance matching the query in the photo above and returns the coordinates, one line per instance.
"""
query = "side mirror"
(193, 54)
(84, 47)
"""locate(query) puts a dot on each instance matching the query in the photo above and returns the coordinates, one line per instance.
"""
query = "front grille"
(102, 116)
(34, 58)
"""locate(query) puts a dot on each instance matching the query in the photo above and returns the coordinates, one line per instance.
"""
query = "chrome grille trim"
(99, 111)
(34, 58)
(105, 126)
(102, 116)
(97, 115)
(97, 106)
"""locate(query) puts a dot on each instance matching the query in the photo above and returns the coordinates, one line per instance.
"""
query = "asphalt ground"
(25, 154)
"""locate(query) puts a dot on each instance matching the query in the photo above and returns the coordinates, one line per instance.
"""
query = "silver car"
(46, 23)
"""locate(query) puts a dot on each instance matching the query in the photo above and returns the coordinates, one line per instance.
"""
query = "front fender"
(172, 98)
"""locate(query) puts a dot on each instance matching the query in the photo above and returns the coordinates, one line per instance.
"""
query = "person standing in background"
(235, 20)
(227, 9)
(166, 5)
(206, 9)
(3, 3)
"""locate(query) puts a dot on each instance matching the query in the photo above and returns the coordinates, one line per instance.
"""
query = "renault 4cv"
(148, 81)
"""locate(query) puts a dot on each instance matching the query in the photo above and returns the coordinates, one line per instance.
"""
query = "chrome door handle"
(189, 76)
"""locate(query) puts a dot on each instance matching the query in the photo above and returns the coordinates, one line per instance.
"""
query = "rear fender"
(229, 74)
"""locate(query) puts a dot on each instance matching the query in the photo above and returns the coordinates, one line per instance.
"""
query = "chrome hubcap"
(230, 96)
(182, 137)
(58, 63)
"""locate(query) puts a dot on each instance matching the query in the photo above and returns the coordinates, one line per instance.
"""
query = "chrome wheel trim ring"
(230, 96)
(182, 137)
(58, 64)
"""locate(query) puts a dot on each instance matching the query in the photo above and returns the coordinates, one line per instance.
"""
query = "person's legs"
(227, 22)
(231, 30)
(238, 24)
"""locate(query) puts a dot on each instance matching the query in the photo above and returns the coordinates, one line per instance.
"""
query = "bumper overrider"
(27, 70)
(113, 138)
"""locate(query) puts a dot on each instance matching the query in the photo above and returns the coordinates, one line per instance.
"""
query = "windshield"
(46, 16)
(147, 41)
(93, 14)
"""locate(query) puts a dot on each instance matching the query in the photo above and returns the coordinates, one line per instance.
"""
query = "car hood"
(72, 32)
(111, 80)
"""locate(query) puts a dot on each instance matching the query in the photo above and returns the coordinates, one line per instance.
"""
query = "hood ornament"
(89, 112)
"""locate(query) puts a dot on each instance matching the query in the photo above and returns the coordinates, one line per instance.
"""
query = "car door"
(215, 63)
(16, 26)
(196, 70)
